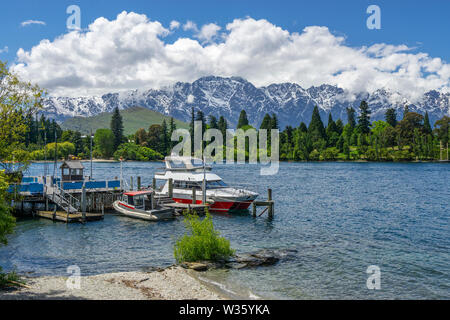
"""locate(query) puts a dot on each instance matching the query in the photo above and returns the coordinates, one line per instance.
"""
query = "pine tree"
(331, 127)
(164, 137)
(274, 122)
(243, 121)
(191, 129)
(426, 124)
(213, 122)
(391, 117)
(316, 128)
(302, 127)
(266, 123)
(117, 128)
(351, 117)
(364, 118)
(172, 128)
(339, 126)
(223, 126)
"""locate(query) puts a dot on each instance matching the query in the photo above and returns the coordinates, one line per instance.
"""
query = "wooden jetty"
(269, 204)
(70, 199)
(68, 218)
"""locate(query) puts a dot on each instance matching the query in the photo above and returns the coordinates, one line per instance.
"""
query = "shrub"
(202, 243)
(9, 279)
(131, 151)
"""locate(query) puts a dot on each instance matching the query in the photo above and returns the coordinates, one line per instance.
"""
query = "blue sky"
(423, 24)
(422, 27)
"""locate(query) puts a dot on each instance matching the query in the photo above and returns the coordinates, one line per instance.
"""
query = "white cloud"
(190, 99)
(208, 32)
(129, 52)
(174, 25)
(4, 50)
(29, 22)
(190, 25)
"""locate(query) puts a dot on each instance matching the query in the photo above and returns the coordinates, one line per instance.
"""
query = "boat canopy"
(138, 193)
(183, 176)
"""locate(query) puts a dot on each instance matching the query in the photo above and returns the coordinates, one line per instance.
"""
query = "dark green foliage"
(364, 118)
(243, 121)
(202, 242)
(351, 117)
(274, 122)
(213, 122)
(426, 124)
(117, 128)
(303, 127)
(266, 123)
(391, 117)
(316, 128)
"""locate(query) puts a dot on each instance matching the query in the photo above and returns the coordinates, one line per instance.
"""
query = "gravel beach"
(174, 283)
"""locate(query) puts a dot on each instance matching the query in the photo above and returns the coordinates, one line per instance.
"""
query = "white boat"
(138, 204)
(188, 173)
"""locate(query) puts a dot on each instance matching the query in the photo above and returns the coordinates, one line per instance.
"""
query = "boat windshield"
(215, 184)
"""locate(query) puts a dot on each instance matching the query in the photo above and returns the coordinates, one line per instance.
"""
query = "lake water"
(340, 217)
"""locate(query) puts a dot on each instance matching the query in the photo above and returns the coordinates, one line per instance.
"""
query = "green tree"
(191, 128)
(316, 128)
(154, 135)
(442, 129)
(104, 142)
(223, 126)
(213, 122)
(302, 127)
(19, 101)
(351, 117)
(391, 117)
(172, 128)
(266, 122)
(426, 124)
(164, 138)
(117, 128)
(339, 126)
(243, 121)
(364, 118)
(7, 221)
(273, 122)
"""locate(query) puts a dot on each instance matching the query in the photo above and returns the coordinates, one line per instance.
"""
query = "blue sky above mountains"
(143, 44)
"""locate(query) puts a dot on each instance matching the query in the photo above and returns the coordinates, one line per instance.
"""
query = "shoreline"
(172, 283)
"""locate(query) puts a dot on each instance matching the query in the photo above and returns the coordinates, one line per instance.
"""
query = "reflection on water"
(340, 217)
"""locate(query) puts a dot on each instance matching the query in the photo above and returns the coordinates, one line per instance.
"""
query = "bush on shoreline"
(202, 243)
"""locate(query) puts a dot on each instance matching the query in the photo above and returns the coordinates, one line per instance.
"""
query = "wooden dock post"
(83, 203)
(131, 183)
(138, 183)
(170, 188)
(254, 209)
(269, 199)
(194, 196)
(153, 200)
(154, 183)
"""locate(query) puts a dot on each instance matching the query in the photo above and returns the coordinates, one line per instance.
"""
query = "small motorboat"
(142, 205)
(188, 173)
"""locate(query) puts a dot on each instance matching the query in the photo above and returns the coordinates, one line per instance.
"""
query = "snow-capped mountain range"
(228, 96)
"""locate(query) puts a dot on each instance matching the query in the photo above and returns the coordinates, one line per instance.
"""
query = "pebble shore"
(174, 283)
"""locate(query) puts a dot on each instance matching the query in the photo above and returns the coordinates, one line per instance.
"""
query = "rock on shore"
(168, 284)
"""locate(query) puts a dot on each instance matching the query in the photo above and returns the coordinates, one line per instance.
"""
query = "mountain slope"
(228, 96)
(133, 119)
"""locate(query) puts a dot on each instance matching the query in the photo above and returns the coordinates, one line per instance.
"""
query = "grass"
(133, 119)
(11, 279)
(202, 242)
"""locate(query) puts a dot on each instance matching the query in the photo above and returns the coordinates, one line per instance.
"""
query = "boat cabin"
(139, 199)
(72, 170)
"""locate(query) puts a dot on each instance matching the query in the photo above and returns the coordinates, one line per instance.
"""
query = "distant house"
(72, 170)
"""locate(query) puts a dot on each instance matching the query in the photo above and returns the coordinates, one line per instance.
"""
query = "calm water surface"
(340, 217)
